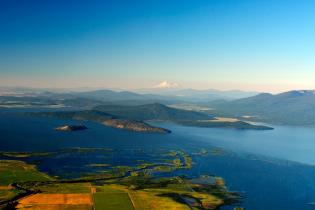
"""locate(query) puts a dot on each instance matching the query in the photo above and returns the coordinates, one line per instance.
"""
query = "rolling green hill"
(153, 111)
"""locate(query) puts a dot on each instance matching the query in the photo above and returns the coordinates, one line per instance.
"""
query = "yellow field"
(56, 201)
(66, 188)
(5, 187)
(143, 200)
(57, 207)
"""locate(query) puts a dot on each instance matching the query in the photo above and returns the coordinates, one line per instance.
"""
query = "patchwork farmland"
(109, 197)
(23, 187)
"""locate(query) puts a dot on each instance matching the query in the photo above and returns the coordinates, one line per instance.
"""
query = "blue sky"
(266, 45)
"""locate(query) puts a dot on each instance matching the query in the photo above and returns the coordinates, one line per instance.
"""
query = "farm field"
(112, 201)
(66, 188)
(144, 200)
(56, 201)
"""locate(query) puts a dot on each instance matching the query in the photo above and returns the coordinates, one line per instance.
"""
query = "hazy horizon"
(151, 89)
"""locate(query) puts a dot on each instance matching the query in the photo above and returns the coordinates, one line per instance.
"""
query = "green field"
(17, 171)
(112, 201)
(6, 194)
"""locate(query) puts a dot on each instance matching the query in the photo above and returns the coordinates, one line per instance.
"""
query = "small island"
(71, 128)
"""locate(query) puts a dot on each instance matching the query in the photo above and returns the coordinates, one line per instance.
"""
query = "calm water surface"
(274, 169)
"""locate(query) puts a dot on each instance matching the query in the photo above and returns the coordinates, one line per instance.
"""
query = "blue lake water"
(274, 169)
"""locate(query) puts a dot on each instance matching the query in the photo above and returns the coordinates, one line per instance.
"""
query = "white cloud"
(166, 84)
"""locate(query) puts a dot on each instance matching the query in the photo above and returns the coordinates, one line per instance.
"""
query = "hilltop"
(155, 111)
(293, 107)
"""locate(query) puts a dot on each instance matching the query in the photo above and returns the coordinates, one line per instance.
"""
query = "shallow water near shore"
(273, 169)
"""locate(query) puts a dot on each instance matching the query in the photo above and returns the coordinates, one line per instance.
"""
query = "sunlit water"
(274, 169)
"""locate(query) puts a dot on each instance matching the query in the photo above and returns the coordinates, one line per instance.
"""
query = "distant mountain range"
(199, 95)
(168, 95)
(124, 96)
(294, 107)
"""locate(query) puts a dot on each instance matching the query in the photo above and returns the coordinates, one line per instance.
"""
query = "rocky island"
(134, 126)
(71, 128)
